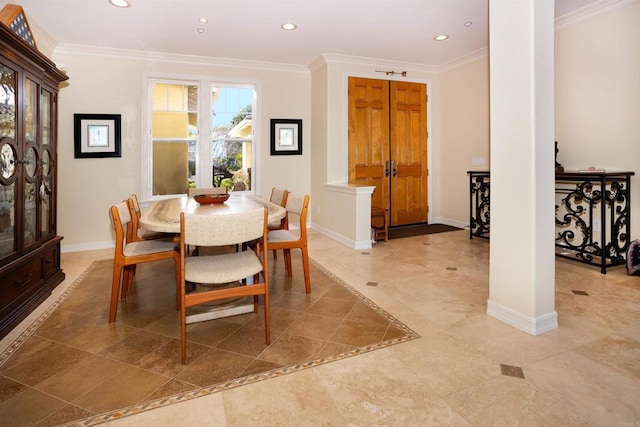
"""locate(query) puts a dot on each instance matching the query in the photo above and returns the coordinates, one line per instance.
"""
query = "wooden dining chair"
(135, 232)
(129, 254)
(279, 197)
(206, 190)
(294, 239)
(196, 191)
(228, 269)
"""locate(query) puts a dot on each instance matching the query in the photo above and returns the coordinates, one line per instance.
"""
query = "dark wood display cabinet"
(29, 245)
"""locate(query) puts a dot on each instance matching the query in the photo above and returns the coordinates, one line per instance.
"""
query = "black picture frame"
(286, 137)
(97, 135)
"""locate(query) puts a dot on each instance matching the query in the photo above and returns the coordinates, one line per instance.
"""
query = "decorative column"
(522, 261)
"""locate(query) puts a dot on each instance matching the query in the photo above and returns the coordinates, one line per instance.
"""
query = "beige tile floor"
(587, 372)
(73, 366)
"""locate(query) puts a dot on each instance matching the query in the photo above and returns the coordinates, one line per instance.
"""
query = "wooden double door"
(388, 145)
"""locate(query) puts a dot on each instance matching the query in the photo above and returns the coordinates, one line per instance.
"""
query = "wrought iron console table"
(592, 215)
(479, 186)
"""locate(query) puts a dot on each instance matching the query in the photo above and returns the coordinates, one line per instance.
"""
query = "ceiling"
(250, 29)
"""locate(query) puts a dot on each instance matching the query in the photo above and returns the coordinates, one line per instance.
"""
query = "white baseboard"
(357, 245)
(533, 326)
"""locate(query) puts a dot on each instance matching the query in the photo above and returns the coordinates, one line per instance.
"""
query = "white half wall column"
(351, 205)
(522, 248)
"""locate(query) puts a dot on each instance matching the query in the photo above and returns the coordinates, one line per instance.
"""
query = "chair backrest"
(134, 213)
(135, 204)
(120, 221)
(299, 205)
(279, 197)
(222, 230)
(206, 190)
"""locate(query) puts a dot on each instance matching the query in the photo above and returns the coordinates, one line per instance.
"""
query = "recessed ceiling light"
(468, 24)
(441, 37)
(288, 26)
(203, 20)
(200, 30)
(120, 3)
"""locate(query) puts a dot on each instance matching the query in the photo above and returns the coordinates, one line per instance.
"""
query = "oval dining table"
(164, 216)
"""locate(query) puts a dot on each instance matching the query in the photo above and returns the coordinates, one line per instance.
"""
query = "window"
(174, 135)
(200, 134)
(232, 137)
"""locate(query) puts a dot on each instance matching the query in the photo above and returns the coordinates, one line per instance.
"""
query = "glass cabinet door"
(8, 160)
(46, 165)
(30, 162)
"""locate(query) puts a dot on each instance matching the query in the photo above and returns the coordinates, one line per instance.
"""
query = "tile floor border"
(29, 330)
(408, 335)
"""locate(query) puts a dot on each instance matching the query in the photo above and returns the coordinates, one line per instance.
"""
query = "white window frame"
(204, 84)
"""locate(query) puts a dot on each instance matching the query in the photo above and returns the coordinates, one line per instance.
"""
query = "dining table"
(164, 216)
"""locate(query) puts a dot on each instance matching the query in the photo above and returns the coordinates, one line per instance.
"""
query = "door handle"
(386, 168)
(394, 167)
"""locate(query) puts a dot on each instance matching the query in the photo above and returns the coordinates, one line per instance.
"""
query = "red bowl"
(207, 199)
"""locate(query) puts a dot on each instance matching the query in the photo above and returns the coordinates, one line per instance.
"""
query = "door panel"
(388, 145)
(369, 136)
(408, 153)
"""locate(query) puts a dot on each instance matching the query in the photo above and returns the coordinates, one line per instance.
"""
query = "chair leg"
(127, 280)
(183, 332)
(305, 266)
(256, 279)
(178, 286)
(275, 254)
(267, 318)
(134, 267)
(183, 325)
(115, 290)
(287, 262)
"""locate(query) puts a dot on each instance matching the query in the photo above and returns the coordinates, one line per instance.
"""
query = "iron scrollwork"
(576, 225)
(592, 219)
(592, 215)
(479, 221)
(618, 199)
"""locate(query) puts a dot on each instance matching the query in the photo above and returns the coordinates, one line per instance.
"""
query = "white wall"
(597, 109)
(597, 96)
(112, 82)
(463, 134)
(597, 120)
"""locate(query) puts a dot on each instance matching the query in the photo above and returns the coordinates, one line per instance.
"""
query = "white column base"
(533, 326)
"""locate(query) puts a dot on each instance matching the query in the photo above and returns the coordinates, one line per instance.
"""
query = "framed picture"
(286, 136)
(96, 135)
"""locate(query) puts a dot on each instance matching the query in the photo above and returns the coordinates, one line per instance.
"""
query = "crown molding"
(332, 58)
(138, 55)
(589, 12)
(336, 58)
(317, 64)
(462, 60)
(578, 16)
